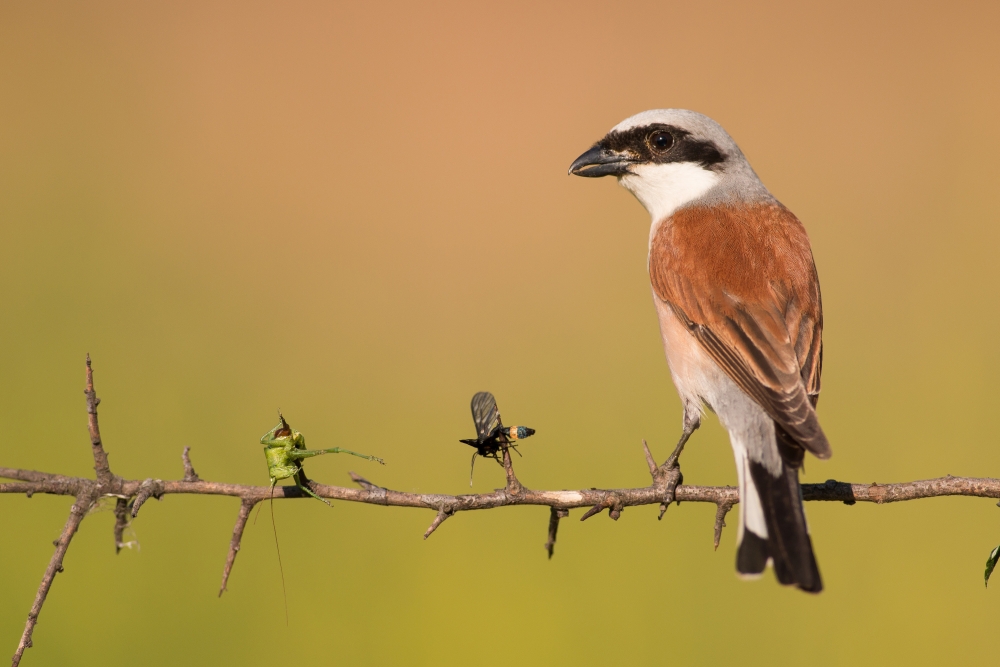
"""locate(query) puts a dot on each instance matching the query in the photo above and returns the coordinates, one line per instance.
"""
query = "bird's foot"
(669, 474)
(671, 477)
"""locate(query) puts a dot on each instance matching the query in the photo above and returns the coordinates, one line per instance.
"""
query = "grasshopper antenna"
(255, 516)
(274, 527)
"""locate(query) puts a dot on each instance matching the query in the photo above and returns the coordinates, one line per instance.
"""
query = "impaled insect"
(283, 450)
(491, 435)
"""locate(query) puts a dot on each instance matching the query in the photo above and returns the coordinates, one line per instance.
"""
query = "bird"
(738, 301)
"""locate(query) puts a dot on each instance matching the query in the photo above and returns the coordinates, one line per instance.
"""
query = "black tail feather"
(753, 553)
(788, 543)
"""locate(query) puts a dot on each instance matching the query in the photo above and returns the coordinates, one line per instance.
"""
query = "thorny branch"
(131, 494)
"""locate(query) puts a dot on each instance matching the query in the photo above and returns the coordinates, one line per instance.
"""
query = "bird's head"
(668, 158)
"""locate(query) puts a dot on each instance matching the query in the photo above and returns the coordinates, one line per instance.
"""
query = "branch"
(234, 544)
(101, 465)
(76, 514)
(88, 491)
(830, 491)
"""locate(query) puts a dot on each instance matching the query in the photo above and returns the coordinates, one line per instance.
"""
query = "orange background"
(360, 214)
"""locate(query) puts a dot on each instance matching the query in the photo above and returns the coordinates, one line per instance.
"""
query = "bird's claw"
(672, 477)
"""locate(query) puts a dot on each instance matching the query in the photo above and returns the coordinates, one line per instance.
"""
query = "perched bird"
(738, 300)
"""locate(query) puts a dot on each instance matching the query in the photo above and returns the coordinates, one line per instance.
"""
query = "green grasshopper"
(284, 449)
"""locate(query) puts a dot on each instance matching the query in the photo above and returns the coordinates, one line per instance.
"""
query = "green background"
(360, 214)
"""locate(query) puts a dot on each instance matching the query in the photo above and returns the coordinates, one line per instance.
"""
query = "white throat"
(664, 188)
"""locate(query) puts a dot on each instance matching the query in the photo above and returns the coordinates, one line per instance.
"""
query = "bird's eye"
(660, 140)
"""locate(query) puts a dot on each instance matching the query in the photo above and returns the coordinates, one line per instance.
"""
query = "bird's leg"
(670, 471)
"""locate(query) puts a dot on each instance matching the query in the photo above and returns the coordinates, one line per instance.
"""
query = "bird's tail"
(773, 524)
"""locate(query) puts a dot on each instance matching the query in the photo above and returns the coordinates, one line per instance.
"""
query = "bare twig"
(101, 465)
(76, 514)
(513, 485)
(234, 543)
(87, 493)
(121, 522)
(554, 516)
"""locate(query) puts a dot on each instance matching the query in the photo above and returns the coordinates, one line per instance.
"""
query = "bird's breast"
(697, 377)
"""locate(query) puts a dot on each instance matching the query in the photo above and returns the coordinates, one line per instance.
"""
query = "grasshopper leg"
(307, 490)
(300, 481)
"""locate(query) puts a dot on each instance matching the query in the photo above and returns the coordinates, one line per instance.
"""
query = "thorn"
(720, 521)
(596, 509)
(438, 520)
(149, 487)
(189, 474)
(650, 461)
(362, 482)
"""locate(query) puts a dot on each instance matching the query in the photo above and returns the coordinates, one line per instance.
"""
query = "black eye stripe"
(636, 142)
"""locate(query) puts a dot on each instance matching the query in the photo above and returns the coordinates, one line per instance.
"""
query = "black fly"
(492, 437)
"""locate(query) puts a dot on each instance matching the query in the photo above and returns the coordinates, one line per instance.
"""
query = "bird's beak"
(600, 161)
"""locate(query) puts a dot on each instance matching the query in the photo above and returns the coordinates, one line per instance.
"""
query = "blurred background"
(360, 213)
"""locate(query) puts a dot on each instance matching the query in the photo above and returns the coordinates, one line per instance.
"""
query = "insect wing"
(485, 414)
